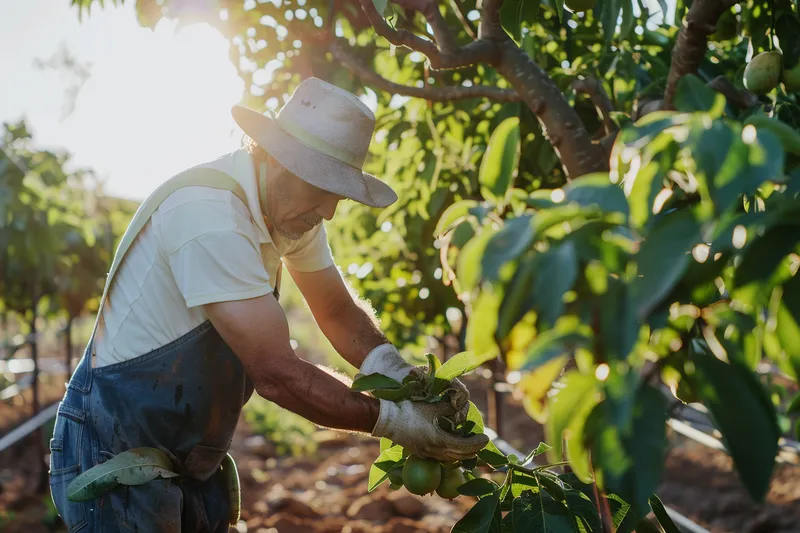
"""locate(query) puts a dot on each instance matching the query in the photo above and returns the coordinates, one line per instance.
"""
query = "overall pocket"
(65, 465)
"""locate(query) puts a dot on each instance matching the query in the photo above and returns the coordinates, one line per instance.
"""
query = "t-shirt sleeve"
(212, 248)
(311, 253)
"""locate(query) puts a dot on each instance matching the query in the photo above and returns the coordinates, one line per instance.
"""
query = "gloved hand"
(415, 426)
(386, 360)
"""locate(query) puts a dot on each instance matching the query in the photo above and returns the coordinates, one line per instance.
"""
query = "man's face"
(295, 207)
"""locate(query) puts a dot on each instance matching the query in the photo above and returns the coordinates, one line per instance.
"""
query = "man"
(190, 324)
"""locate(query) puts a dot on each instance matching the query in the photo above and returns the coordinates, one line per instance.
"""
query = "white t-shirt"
(200, 246)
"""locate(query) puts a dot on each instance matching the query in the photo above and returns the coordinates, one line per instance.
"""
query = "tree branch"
(462, 17)
(742, 99)
(435, 94)
(490, 27)
(445, 39)
(690, 48)
(578, 154)
(475, 52)
(593, 88)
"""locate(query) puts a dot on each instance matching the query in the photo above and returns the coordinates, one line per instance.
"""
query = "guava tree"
(613, 198)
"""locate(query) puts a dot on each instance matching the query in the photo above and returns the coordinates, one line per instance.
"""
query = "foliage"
(57, 236)
(291, 434)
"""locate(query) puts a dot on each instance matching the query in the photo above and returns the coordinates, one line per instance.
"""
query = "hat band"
(321, 145)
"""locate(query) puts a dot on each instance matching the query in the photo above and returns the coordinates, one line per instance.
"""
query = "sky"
(156, 102)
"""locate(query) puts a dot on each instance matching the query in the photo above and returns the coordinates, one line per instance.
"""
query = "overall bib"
(183, 399)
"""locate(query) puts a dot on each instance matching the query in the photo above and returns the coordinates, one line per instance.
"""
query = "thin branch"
(690, 48)
(398, 37)
(593, 88)
(433, 93)
(741, 98)
(475, 52)
(462, 17)
(430, 10)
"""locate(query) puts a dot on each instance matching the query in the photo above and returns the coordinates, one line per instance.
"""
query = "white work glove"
(415, 426)
(386, 360)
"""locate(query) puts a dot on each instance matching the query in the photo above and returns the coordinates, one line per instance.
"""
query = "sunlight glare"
(160, 105)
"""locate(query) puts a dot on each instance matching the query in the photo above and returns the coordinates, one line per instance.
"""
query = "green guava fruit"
(421, 476)
(451, 480)
(791, 79)
(763, 72)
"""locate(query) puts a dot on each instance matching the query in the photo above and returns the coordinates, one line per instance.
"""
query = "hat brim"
(310, 165)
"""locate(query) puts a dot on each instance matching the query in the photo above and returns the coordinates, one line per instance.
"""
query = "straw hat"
(321, 135)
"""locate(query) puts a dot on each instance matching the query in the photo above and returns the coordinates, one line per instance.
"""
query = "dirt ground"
(328, 493)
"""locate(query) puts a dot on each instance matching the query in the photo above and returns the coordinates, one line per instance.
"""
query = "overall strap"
(202, 177)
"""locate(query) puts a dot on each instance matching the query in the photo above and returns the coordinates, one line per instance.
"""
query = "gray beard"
(308, 218)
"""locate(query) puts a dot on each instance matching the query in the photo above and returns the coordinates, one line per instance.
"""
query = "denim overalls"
(183, 399)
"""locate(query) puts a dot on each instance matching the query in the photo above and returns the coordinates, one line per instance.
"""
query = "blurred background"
(102, 101)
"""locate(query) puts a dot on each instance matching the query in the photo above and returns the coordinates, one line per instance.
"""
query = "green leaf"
(474, 416)
(482, 325)
(386, 444)
(469, 260)
(645, 446)
(433, 365)
(515, 12)
(788, 323)
(765, 253)
(459, 365)
(454, 214)
(380, 5)
(478, 487)
(741, 410)
(522, 482)
(662, 516)
(628, 21)
(499, 163)
(611, 9)
(386, 461)
(516, 301)
(491, 455)
(694, 95)
(794, 405)
(542, 448)
(136, 466)
(787, 28)
(647, 183)
(375, 381)
(560, 10)
(538, 513)
(577, 390)
(597, 189)
(506, 245)
(584, 511)
(663, 259)
(646, 526)
(555, 274)
(551, 344)
(479, 518)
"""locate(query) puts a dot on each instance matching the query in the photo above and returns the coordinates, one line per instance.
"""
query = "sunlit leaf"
(499, 163)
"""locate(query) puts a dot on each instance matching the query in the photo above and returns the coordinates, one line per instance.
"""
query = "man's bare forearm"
(310, 392)
(352, 331)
